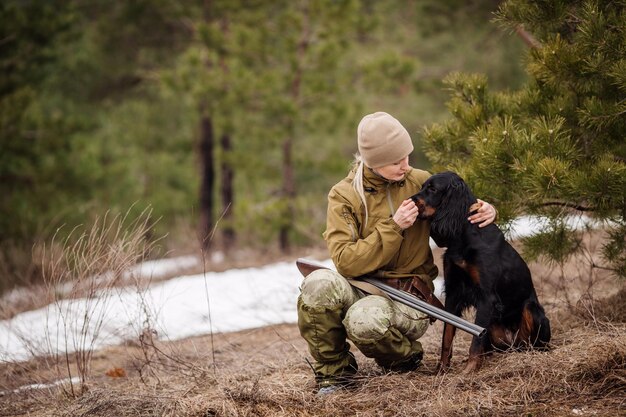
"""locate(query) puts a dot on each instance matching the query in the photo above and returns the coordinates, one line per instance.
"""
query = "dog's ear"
(451, 216)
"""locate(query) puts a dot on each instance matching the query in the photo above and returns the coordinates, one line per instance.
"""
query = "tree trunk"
(289, 183)
(228, 196)
(289, 193)
(207, 167)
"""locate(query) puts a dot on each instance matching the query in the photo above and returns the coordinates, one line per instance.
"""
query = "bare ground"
(264, 372)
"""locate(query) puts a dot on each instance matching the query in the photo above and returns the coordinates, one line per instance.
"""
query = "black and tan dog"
(481, 269)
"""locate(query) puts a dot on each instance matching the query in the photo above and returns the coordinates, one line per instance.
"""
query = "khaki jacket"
(381, 247)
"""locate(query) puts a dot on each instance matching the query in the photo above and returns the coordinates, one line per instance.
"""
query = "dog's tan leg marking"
(473, 365)
(500, 337)
(471, 270)
(526, 327)
(446, 347)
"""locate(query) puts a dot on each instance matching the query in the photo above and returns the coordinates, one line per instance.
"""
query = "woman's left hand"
(485, 215)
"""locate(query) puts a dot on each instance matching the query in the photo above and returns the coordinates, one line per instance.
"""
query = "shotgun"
(306, 267)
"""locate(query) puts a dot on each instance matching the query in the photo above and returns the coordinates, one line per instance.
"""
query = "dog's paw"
(442, 368)
(473, 365)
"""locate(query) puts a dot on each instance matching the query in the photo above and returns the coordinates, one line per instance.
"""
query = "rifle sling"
(367, 287)
(426, 292)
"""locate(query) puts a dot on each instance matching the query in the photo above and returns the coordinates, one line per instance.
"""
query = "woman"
(371, 229)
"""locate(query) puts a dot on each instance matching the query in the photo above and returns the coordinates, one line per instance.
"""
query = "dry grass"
(264, 372)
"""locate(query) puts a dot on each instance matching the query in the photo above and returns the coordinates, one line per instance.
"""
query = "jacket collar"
(372, 181)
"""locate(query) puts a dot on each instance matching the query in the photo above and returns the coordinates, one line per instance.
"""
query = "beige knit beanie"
(382, 140)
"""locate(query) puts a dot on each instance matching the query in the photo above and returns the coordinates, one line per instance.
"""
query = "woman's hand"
(485, 215)
(406, 214)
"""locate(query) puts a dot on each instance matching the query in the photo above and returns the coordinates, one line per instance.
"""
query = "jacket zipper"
(391, 210)
(394, 262)
(350, 226)
(352, 231)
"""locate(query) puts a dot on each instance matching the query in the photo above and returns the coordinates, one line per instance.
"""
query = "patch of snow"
(525, 226)
(29, 387)
(186, 306)
(217, 257)
(162, 267)
(177, 308)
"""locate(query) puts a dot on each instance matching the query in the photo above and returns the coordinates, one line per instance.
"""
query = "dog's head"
(445, 199)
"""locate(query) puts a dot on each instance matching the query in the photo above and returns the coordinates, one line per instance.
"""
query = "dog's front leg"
(475, 357)
(446, 347)
(455, 307)
(479, 346)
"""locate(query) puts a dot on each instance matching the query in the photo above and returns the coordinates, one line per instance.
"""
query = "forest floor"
(264, 371)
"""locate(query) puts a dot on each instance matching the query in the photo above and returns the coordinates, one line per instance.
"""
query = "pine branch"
(594, 265)
(527, 37)
(567, 204)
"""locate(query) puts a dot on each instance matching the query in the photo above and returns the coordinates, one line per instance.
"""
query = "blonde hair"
(357, 183)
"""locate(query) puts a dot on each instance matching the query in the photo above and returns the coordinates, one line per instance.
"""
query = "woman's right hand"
(406, 214)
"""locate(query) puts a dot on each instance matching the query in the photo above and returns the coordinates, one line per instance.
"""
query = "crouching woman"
(371, 230)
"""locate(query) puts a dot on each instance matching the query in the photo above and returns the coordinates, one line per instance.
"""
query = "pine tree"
(265, 75)
(555, 146)
(305, 94)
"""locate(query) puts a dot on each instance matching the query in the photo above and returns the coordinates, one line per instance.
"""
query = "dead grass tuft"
(98, 402)
(611, 309)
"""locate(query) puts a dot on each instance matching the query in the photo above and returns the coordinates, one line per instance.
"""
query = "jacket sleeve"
(352, 255)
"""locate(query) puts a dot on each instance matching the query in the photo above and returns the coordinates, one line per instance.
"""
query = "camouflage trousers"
(330, 311)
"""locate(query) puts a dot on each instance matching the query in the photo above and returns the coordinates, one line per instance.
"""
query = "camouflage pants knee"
(330, 311)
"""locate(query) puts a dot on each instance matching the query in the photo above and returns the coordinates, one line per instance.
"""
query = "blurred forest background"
(237, 112)
(225, 116)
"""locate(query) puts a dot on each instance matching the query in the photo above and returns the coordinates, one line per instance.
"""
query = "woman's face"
(395, 171)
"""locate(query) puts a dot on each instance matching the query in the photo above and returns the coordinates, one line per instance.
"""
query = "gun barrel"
(424, 307)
